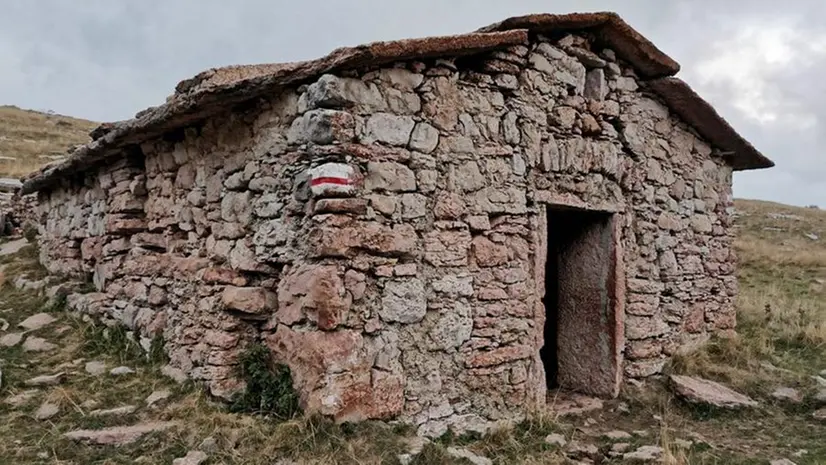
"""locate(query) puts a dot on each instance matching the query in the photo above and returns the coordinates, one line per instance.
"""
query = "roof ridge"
(210, 91)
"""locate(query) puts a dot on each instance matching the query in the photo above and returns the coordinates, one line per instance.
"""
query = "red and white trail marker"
(332, 179)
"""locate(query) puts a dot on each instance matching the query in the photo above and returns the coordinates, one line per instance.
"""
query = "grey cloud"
(106, 60)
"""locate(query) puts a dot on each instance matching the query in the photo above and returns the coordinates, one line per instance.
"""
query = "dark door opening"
(581, 327)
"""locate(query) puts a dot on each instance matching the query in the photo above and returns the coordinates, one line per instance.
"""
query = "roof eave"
(211, 91)
(700, 115)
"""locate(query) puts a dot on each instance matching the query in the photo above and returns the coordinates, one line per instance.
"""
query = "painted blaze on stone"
(332, 179)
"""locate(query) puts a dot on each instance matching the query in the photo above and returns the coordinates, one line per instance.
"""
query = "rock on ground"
(25, 284)
(782, 462)
(90, 404)
(95, 368)
(819, 414)
(125, 410)
(209, 444)
(118, 435)
(12, 247)
(38, 321)
(469, 456)
(703, 391)
(575, 404)
(644, 454)
(556, 439)
(46, 411)
(22, 398)
(158, 396)
(38, 344)
(617, 435)
(46, 380)
(619, 448)
(11, 339)
(176, 374)
(193, 457)
(577, 450)
(787, 394)
(120, 371)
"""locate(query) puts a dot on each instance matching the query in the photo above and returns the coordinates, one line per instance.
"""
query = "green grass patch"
(269, 388)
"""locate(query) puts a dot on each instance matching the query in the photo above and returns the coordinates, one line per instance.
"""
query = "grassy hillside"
(781, 342)
(29, 138)
(782, 274)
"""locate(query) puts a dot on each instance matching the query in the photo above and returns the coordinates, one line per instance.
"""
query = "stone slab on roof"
(214, 90)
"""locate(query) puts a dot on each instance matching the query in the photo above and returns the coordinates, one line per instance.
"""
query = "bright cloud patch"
(747, 63)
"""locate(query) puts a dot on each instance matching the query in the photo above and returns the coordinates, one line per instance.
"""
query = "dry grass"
(28, 138)
(782, 346)
(781, 340)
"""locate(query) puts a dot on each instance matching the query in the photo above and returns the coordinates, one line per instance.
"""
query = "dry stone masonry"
(385, 231)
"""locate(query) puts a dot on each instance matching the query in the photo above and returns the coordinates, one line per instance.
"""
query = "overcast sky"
(760, 62)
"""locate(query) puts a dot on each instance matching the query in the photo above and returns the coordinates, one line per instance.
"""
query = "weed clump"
(30, 232)
(269, 388)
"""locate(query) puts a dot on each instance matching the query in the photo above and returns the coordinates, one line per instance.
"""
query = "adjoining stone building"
(436, 230)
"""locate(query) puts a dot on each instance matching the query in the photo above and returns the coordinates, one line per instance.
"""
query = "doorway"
(583, 326)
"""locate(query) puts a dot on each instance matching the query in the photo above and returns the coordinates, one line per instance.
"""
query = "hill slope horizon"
(30, 139)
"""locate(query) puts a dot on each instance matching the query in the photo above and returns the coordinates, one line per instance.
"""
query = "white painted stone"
(332, 179)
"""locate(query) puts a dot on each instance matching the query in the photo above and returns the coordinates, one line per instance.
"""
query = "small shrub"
(57, 304)
(30, 232)
(101, 340)
(269, 386)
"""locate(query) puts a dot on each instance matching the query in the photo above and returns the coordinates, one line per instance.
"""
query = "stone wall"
(417, 293)
(17, 212)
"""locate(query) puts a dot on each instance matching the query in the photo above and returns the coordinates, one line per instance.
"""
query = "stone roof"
(212, 91)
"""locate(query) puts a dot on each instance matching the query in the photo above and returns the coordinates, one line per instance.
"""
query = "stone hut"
(435, 230)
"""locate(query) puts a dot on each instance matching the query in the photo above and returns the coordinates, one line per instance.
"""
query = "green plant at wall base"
(30, 232)
(269, 388)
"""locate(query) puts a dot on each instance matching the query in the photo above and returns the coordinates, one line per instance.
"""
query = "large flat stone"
(11, 339)
(118, 435)
(38, 344)
(46, 380)
(37, 321)
(12, 247)
(703, 391)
